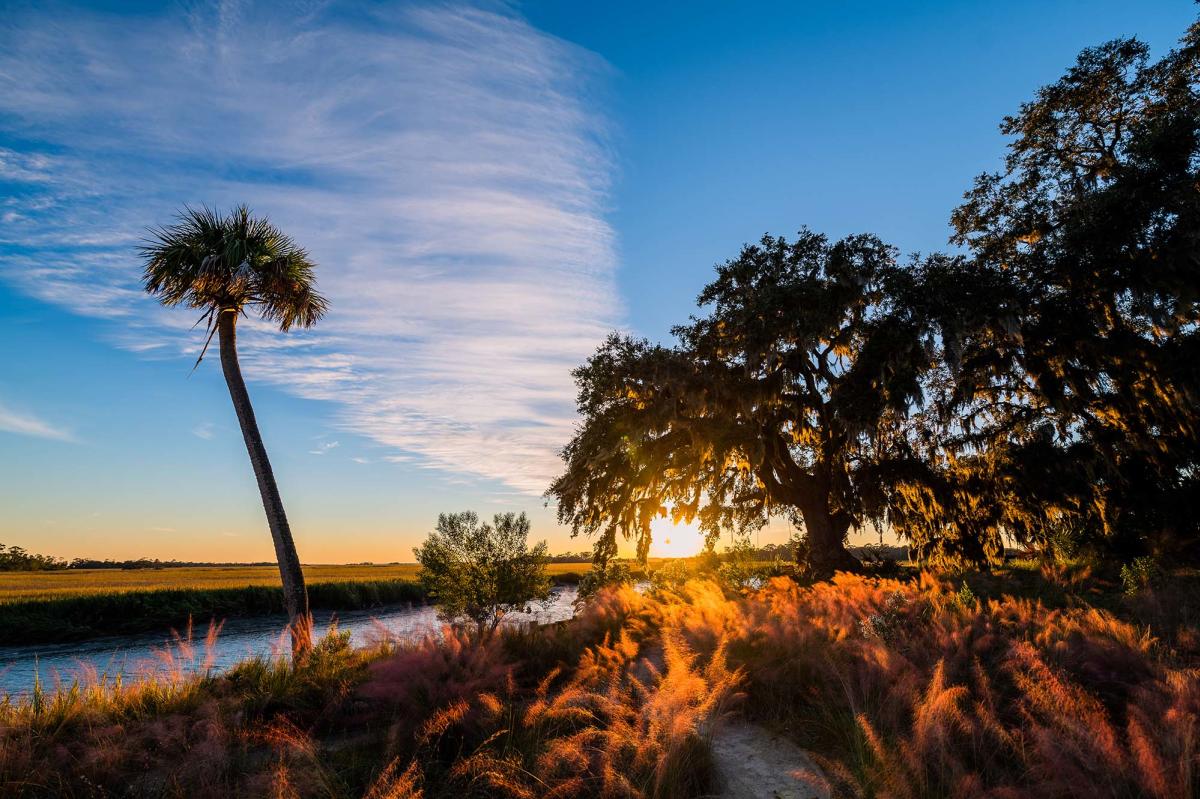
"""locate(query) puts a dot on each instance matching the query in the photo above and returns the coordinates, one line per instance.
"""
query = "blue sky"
(488, 189)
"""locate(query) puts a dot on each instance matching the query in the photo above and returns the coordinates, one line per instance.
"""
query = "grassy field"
(26, 586)
(50, 607)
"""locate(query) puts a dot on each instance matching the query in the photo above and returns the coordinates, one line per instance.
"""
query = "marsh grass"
(98, 614)
(901, 688)
(173, 728)
(26, 586)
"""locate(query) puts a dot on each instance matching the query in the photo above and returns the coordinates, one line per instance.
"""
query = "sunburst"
(670, 540)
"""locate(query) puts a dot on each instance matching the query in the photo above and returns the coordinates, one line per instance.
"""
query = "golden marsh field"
(25, 586)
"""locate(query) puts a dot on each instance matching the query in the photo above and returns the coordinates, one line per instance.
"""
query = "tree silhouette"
(785, 399)
(1081, 380)
(226, 266)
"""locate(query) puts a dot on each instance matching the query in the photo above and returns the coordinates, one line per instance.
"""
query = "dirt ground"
(754, 763)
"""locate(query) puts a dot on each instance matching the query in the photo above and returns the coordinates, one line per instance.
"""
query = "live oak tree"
(227, 267)
(786, 399)
(1080, 385)
(1042, 387)
(482, 572)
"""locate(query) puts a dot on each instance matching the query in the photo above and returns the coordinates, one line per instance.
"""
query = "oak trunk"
(826, 535)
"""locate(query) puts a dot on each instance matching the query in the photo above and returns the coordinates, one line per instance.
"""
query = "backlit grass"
(900, 688)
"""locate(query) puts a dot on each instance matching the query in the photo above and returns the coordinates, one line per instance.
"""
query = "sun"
(668, 540)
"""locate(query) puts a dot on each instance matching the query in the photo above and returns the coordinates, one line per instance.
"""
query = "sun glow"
(670, 540)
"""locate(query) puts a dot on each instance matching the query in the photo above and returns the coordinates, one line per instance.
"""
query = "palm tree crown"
(230, 263)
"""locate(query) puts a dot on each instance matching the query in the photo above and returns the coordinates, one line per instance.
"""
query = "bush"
(670, 576)
(901, 689)
(480, 572)
(1140, 573)
(603, 576)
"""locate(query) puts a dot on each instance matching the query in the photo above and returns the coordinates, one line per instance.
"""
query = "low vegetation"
(24, 586)
(18, 586)
(922, 686)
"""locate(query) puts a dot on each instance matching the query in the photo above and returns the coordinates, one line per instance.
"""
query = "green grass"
(48, 607)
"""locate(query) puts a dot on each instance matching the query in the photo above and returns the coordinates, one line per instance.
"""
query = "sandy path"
(754, 763)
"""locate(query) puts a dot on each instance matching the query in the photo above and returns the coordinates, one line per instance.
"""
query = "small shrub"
(603, 576)
(1140, 573)
(740, 570)
(885, 624)
(481, 572)
(670, 576)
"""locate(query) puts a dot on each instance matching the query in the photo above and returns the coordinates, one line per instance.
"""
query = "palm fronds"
(232, 263)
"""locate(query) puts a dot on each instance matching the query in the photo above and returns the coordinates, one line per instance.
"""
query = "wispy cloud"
(204, 431)
(324, 447)
(27, 424)
(444, 164)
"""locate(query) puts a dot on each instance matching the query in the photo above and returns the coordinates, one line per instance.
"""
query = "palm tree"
(225, 266)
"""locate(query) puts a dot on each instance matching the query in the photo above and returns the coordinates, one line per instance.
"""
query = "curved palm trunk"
(294, 593)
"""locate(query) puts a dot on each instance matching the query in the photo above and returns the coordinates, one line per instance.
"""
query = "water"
(239, 638)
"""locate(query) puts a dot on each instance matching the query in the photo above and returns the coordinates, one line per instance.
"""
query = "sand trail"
(754, 763)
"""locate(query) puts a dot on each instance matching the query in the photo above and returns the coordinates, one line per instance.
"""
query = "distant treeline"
(16, 559)
(571, 557)
(152, 563)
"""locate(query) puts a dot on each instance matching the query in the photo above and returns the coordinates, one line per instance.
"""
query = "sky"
(488, 189)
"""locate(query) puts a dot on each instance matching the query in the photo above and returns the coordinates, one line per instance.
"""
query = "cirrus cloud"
(444, 164)
(27, 424)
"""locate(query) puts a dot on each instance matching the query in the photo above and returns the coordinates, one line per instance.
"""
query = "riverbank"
(106, 606)
(215, 650)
